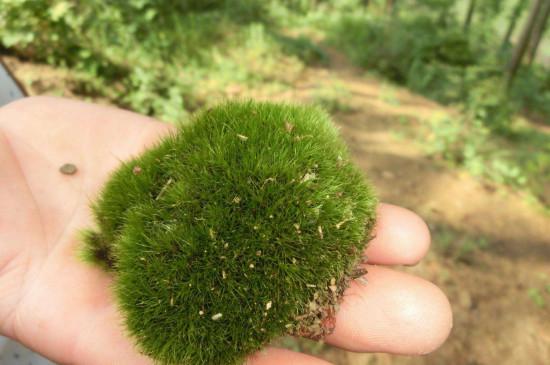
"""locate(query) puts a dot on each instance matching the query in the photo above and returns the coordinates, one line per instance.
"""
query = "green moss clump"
(241, 227)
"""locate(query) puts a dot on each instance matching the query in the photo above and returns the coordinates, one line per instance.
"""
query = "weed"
(333, 98)
(458, 246)
(159, 58)
(388, 94)
(521, 162)
(426, 50)
(536, 295)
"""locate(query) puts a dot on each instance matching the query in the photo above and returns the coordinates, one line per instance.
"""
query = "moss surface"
(232, 232)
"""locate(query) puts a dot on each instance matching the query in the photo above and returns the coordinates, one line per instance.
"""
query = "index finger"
(402, 237)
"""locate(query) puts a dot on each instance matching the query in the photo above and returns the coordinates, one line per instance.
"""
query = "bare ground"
(490, 248)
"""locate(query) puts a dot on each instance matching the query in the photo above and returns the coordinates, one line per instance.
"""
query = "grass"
(158, 58)
(387, 94)
(424, 49)
(458, 246)
(536, 295)
(166, 59)
(333, 98)
(520, 160)
(243, 226)
(540, 292)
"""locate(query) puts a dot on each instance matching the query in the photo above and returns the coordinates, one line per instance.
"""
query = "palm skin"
(62, 308)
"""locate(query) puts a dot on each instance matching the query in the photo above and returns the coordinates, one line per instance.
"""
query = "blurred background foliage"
(167, 58)
(423, 44)
(487, 61)
(151, 55)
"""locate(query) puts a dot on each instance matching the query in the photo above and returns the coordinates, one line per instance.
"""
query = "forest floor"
(490, 249)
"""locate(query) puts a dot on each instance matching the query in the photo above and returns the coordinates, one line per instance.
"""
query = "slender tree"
(516, 12)
(538, 30)
(469, 14)
(313, 5)
(521, 46)
(389, 6)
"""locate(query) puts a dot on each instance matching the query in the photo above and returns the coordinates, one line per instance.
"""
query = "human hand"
(62, 308)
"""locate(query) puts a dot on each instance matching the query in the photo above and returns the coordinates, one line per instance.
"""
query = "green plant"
(531, 90)
(156, 57)
(426, 49)
(469, 247)
(536, 295)
(521, 160)
(244, 225)
(333, 99)
(458, 246)
(302, 47)
(387, 94)
(540, 291)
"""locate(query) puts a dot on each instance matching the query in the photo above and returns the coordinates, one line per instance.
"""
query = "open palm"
(58, 306)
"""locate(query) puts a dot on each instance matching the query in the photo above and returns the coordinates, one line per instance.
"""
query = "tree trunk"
(518, 9)
(313, 5)
(469, 15)
(389, 6)
(519, 51)
(538, 30)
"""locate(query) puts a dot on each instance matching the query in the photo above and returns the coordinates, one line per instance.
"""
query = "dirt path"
(491, 250)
